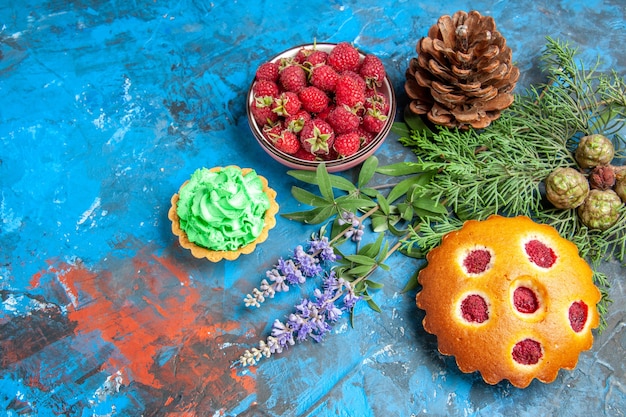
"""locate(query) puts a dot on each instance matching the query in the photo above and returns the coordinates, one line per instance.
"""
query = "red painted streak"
(182, 414)
(147, 306)
(36, 279)
(140, 324)
(157, 307)
(176, 270)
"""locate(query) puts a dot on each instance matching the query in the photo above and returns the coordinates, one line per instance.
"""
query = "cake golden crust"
(216, 255)
(520, 334)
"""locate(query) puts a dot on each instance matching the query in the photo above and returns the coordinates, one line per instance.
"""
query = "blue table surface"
(107, 107)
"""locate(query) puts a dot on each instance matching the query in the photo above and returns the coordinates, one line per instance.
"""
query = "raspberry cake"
(509, 298)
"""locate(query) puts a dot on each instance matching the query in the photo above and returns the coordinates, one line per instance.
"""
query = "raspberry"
(477, 261)
(316, 58)
(287, 142)
(474, 309)
(578, 315)
(356, 77)
(373, 71)
(261, 110)
(302, 54)
(374, 99)
(527, 352)
(525, 300)
(295, 122)
(317, 137)
(271, 131)
(349, 91)
(263, 88)
(313, 99)
(366, 137)
(347, 144)
(324, 77)
(305, 155)
(293, 78)
(540, 254)
(344, 57)
(324, 113)
(267, 71)
(286, 104)
(286, 62)
(343, 120)
(374, 120)
(330, 156)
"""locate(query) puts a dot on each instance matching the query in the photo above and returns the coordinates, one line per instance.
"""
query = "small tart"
(201, 252)
(509, 298)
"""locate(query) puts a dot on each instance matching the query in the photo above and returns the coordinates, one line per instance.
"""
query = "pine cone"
(462, 75)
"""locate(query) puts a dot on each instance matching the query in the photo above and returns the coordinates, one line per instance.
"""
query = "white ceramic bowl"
(334, 165)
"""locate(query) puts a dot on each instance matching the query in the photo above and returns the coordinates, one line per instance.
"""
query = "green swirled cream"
(222, 210)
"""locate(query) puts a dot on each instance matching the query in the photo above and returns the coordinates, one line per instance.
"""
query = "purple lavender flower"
(326, 299)
(322, 247)
(273, 345)
(283, 334)
(322, 327)
(356, 230)
(292, 271)
(358, 233)
(304, 308)
(303, 328)
(347, 217)
(311, 318)
(340, 287)
(331, 283)
(277, 279)
(292, 274)
(308, 264)
(350, 300)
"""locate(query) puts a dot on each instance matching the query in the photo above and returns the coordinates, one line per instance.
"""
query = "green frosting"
(222, 210)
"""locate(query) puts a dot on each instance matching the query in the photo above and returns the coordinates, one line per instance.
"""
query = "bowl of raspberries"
(321, 103)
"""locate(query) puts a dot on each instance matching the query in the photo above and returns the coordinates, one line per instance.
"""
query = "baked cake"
(223, 212)
(509, 298)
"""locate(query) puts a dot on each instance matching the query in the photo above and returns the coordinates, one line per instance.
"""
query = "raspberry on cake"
(527, 296)
(527, 352)
(539, 253)
(509, 298)
(477, 260)
(525, 300)
(474, 309)
(577, 314)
